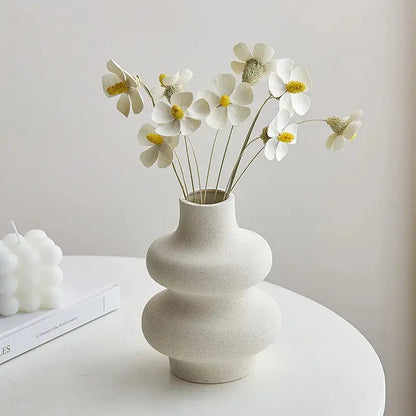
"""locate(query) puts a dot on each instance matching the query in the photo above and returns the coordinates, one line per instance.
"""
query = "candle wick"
(15, 230)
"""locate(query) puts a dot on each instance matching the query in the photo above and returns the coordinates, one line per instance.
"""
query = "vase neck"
(210, 221)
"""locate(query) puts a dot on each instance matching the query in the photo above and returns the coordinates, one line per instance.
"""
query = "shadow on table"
(147, 374)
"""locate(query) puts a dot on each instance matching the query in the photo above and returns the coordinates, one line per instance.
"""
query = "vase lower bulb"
(211, 339)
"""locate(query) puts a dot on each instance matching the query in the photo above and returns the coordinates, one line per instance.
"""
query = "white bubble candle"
(30, 275)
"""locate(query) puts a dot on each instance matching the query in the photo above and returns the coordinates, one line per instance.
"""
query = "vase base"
(211, 373)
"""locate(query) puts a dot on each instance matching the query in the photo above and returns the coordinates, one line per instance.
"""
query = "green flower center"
(253, 72)
(337, 124)
(170, 90)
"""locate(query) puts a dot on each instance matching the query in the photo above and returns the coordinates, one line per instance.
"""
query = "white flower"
(182, 116)
(227, 102)
(169, 85)
(120, 82)
(345, 128)
(289, 83)
(256, 65)
(161, 147)
(280, 135)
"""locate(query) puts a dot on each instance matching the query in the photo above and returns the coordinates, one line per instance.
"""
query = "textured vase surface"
(211, 320)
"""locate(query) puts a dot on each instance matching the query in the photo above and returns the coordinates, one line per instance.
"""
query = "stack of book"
(86, 300)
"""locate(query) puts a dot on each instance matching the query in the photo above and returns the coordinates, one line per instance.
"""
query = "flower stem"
(237, 163)
(307, 121)
(183, 176)
(209, 165)
(222, 163)
(190, 167)
(248, 165)
(179, 180)
(197, 169)
(251, 141)
(149, 94)
(248, 144)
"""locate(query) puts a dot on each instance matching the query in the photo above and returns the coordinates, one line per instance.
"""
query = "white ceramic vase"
(211, 320)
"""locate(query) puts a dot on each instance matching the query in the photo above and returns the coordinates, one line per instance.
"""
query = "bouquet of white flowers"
(177, 115)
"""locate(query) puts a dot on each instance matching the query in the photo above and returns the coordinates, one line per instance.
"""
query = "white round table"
(320, 365)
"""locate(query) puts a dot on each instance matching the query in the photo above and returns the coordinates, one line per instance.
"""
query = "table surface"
(320, 365)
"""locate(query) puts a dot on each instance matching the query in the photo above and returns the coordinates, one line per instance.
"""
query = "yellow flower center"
(161, 78)
(177, 112)
(286, 137)
(155, 138)
(353, 137)
(118, 88)
(295, 87)
(225, 101)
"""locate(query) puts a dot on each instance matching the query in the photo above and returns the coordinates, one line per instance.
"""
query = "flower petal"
(330, 141)
(143, 132)
(185, 76)
(282, 120)
(338, 143)
(131, 80)
(301, 74)
(116, 69)
(237, 113)
(281, 151)
(224, 84)
(356, 115)
(168, 81)
(271, 66)
(157, 92)
(300, 103)
(351, 129)
(165, 156)
(238, 67)
(273, 129)
(149, 156)
(270, 149)
(182, 99)
(242, 52)
(243, 94)
(136, 100)
(284, 68)
(285, 103)
(292, 129)
(123, 104)
(263, 53)
(199, 109)
(171, 141)
(217, 118)
(189, 125)
(213, 99)
(276, 85)
(170, 129)
(162, 113)
(108, 80)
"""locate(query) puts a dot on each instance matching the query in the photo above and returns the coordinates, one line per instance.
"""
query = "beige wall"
(340, 224)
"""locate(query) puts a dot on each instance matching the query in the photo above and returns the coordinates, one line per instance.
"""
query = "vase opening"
(210, 197)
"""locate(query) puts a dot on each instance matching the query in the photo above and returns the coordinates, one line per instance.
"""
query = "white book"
(86, 299)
